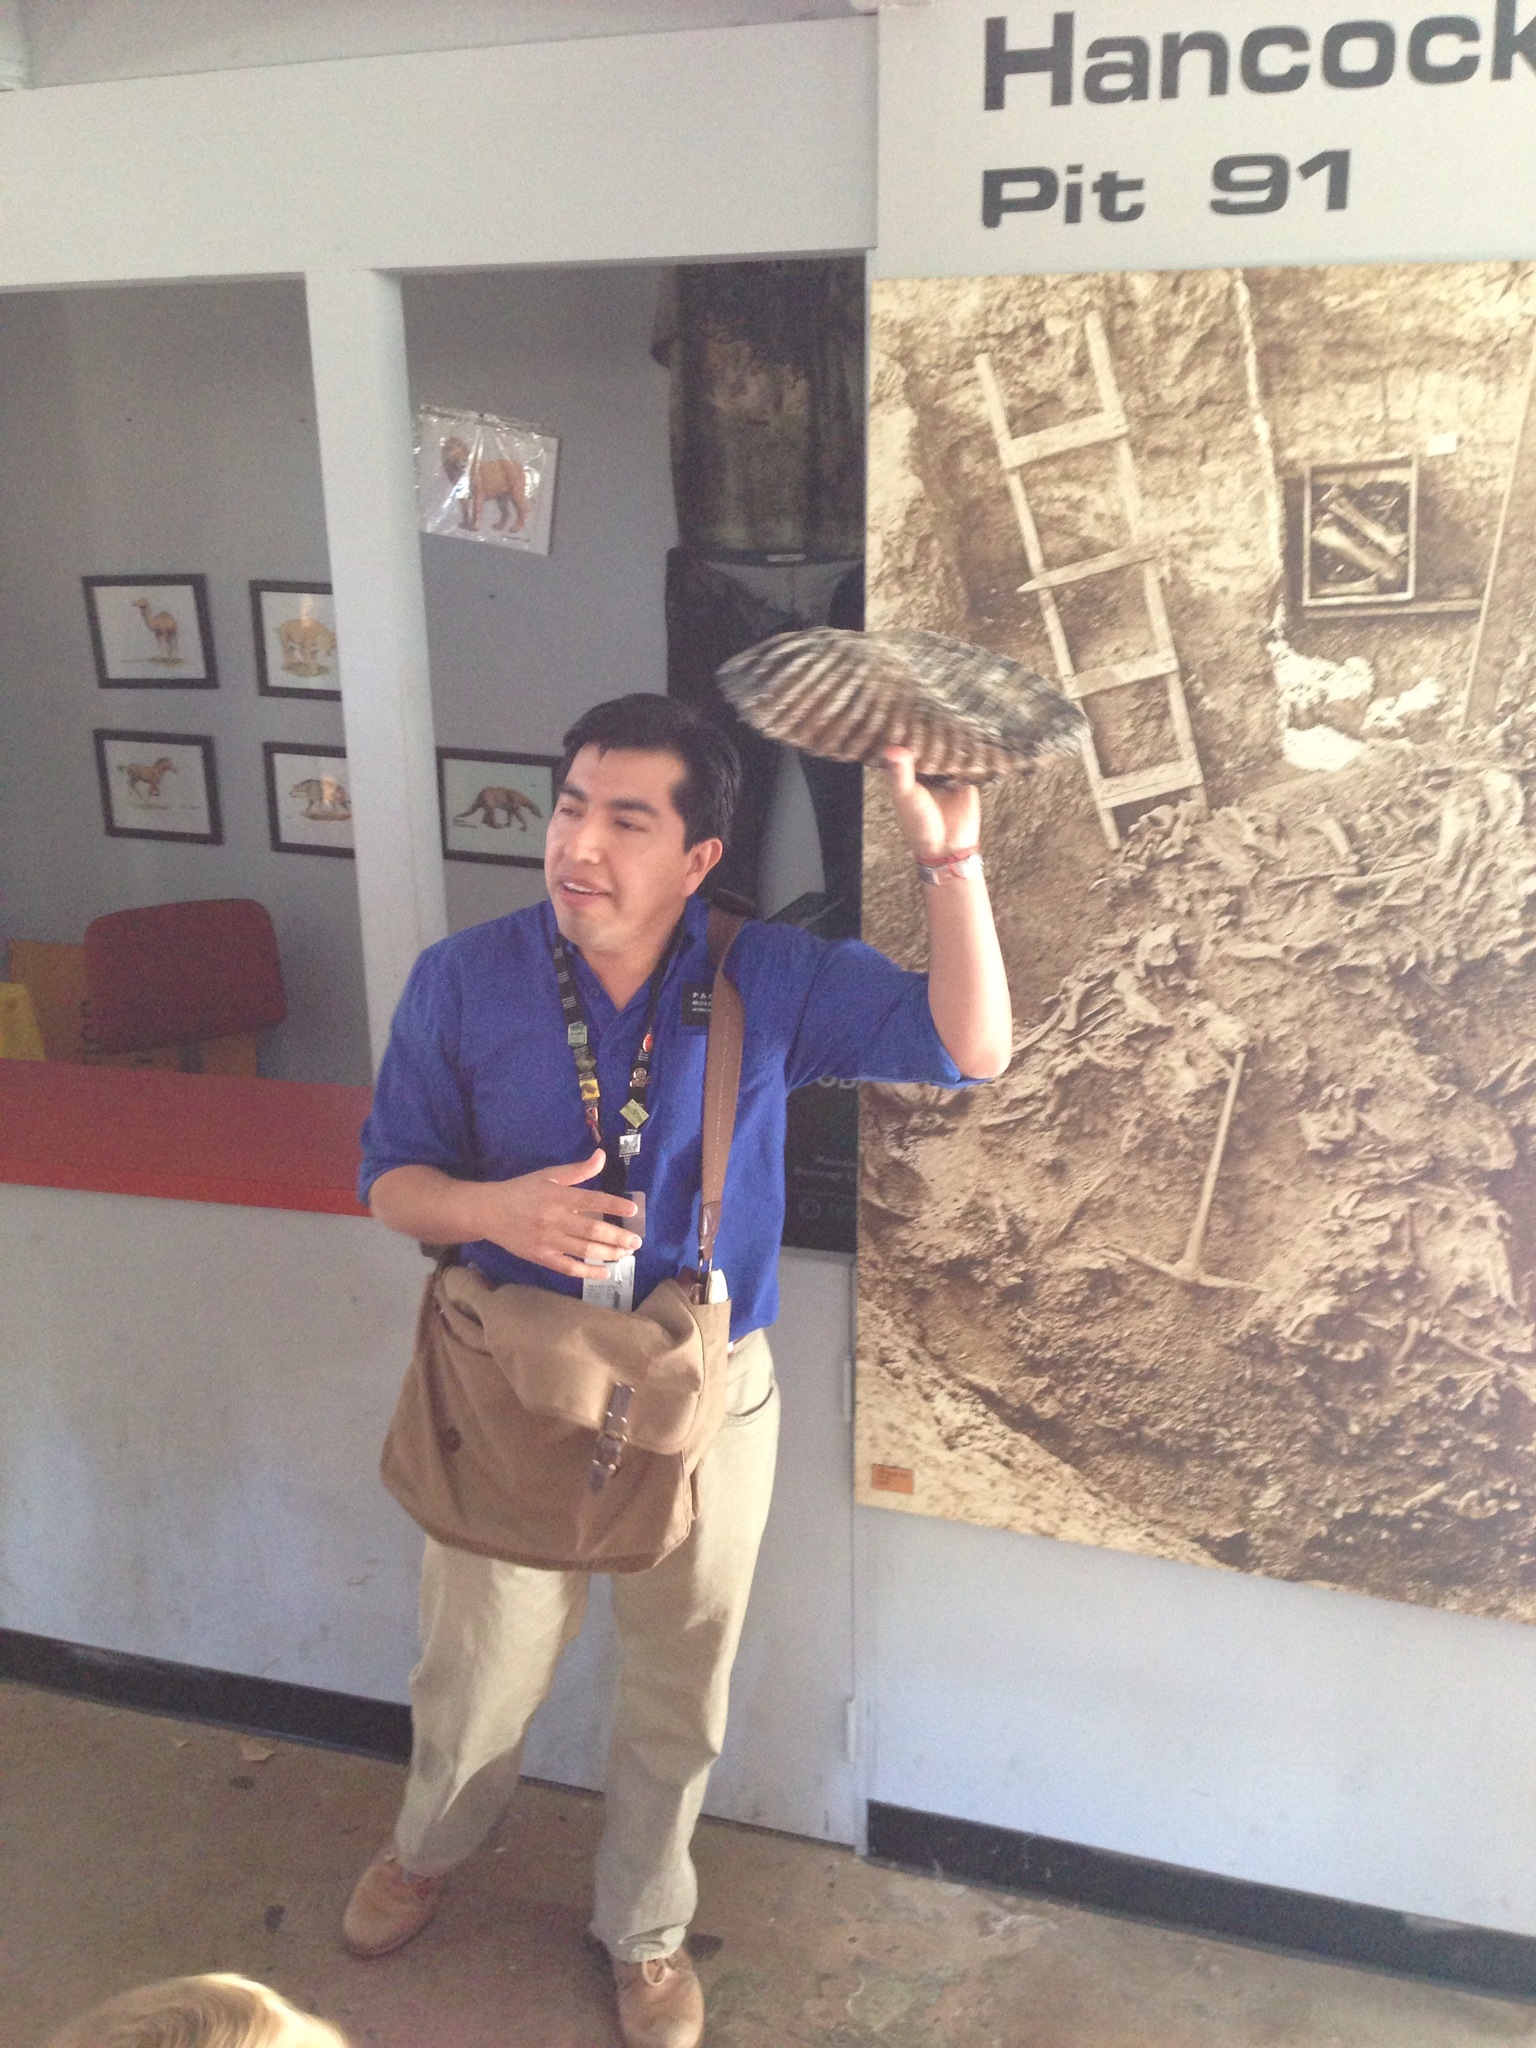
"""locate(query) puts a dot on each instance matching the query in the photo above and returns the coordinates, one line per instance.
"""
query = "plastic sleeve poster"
(485, 479)
(1202, 380)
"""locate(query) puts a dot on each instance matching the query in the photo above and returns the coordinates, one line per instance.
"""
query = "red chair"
(179, 974)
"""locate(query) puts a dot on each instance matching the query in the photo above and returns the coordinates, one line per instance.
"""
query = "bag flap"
(563, 1357)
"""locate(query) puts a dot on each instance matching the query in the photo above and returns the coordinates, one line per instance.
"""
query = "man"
(480, 1137)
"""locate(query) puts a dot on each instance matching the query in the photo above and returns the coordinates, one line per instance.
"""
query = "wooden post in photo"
(1505, 596)
(362, 408)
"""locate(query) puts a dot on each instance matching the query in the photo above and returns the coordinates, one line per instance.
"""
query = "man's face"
(614, 861)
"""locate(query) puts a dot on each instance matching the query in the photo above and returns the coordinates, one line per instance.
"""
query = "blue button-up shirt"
(479, 1080)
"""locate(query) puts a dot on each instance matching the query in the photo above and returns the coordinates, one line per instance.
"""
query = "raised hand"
(933, 821)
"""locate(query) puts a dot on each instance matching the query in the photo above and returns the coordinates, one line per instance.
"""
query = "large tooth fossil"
(969, 715)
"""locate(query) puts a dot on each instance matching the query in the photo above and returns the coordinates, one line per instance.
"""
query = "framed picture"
(309, 802)
(151, 632)
(495, 806)
(158, 785)
(295, 629)
(487, 479)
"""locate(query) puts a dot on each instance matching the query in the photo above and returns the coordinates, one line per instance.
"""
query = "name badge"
(617, 1290)
(617, 1287)
(698, 1000)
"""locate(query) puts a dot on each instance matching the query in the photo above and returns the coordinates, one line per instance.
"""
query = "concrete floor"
(133, 1848)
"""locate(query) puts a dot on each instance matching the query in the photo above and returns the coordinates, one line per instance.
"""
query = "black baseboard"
(189, 1692)
(1476, 1958)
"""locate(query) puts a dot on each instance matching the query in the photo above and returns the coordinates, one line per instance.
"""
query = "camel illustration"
(145, 777)
(165, 629)
(499, 807)
(493, 480)
(308, 645)
(326, 800)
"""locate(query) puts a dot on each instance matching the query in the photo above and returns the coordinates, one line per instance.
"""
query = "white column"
(363, 410)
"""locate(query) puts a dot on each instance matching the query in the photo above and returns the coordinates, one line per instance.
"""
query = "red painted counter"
(183, 1137)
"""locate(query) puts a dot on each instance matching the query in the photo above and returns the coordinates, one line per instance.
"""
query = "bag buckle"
(608, 1451)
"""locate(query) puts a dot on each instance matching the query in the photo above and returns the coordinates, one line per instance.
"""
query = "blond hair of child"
(197, 2012)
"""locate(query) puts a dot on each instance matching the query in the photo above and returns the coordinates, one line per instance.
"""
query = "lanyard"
(615, 1176)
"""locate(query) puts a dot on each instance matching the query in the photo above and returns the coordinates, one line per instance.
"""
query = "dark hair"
(705, 799)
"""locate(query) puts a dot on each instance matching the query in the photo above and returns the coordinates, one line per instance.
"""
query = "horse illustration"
(493, 480)
(165, 629)
(498, 807)
(308, 645)
(325, 799)
(145, 777)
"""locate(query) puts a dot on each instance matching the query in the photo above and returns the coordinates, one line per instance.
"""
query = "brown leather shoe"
(388, 1906)
(661, 2003)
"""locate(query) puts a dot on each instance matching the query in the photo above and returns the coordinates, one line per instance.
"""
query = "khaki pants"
(492, 1635)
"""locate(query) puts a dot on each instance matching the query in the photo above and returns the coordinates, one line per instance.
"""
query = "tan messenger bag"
(547, 1431)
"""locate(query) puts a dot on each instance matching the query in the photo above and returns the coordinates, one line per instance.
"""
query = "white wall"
(1285, 1734)
(610, 150)
(71, 42)
(194, 1397)
(189, 1470)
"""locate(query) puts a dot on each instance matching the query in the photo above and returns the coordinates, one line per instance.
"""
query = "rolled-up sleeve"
(866, 1019)
(421, 1114)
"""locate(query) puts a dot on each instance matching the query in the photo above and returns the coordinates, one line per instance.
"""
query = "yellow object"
(55, 977)
(233, 1055)
(20, 1038)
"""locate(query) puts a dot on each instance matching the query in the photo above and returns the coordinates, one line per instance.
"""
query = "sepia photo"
(1237, 1263)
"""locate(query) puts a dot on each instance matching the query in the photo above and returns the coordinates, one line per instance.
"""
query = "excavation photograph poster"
(1237, 1263)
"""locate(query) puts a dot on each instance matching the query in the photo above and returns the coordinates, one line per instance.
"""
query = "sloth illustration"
(145, 777)
(326, 800)
(307, 646)
(493, 480)
(165, 629)
(498, 807)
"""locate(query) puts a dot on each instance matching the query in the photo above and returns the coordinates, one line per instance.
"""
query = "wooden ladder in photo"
(1106, 427)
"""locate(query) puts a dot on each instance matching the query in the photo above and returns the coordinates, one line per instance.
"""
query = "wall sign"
(1039, 137)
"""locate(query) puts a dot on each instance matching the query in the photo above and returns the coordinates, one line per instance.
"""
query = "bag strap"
(722, 1081)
